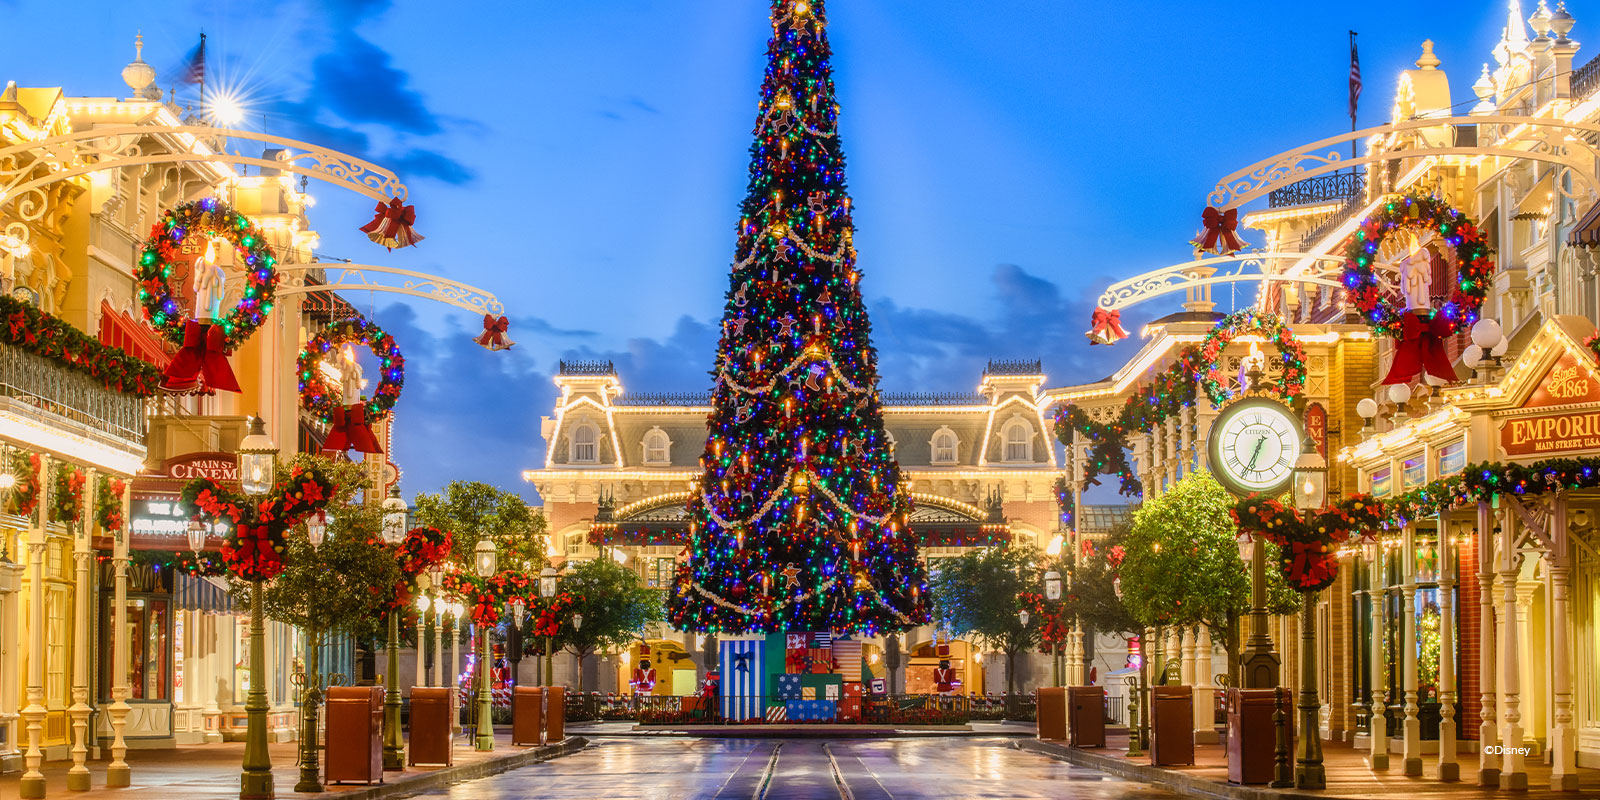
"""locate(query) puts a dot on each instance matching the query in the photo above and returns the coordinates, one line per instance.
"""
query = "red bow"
(1105, 327)
(255, 557)
(350, 431)
(1219, 231)
(391, 227)
(494, 333)
(1312, 566)
(202, 363)
(1421, 347)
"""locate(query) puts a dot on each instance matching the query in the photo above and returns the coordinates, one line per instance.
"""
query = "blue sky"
(584, 160)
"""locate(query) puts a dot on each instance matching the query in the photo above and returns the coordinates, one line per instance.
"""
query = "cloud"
(357, 81)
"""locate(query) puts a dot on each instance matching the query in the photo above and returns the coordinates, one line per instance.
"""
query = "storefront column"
(455, 675)
(1411, 726)
(10, 584)
(78, 774)
(1205, 720)
(1449, 770)
(118, 774)
(32, 785)
(212, 666)
(1513, 771)
(1563, 742)
(1174, 655)
(438, 651)
(1488, 761)
(1378, 725)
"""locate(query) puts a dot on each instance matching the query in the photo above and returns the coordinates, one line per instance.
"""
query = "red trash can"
(1052, 713)
(1172, 726)
(431, 739)
(527, 716)
(355, 734)
(1087, 714)
(555, 714)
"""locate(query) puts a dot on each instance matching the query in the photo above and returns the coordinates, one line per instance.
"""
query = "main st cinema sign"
(1567, 383)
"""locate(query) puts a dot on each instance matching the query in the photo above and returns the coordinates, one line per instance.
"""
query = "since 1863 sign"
(1568, 383)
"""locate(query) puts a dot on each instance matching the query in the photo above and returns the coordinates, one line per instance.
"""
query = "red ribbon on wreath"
(1421, 347)
(254, 557)
(202, 362)
(391, 226)
(1105, 327)
(350, 431)
(494, 333)
(1219, 234)
(1311, 566)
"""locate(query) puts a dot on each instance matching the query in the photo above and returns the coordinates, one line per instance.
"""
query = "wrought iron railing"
(933, 399)
(1586, 80)
(67, 394)
(1341, 187)
(664, 399)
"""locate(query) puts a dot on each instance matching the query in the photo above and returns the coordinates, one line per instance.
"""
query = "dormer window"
(657, 448)
(585, 444)
(1018, 438)
(944, 446)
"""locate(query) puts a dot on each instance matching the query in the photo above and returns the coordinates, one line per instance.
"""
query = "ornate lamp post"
(441, 608)
(1310, 495)
(309, 680)
(257, 462)
(1052, 593)
(485, 562)
(547, 590)
(394, 530)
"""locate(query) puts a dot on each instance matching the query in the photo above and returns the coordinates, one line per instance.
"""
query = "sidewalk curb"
(1171, 779)
(802, 732)
(441, 778)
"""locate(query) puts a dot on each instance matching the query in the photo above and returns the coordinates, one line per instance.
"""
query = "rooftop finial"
(139, 76)
(1428, 59)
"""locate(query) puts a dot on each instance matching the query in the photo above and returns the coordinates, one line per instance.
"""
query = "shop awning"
(208, 595)
(121, 330)
(1536, 204)
(1587, 232)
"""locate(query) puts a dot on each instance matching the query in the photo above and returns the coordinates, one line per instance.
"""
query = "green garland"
(1174, 389)
(49, 337)
(1306, 540)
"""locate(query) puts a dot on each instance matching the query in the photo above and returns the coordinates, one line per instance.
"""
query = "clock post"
(1252, 449)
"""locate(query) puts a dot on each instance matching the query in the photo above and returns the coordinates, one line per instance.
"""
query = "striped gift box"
(777, 712)
(848, 653)
(743, 678)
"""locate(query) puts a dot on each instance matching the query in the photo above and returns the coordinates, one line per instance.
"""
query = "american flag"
(1355, 78)
(195, 70)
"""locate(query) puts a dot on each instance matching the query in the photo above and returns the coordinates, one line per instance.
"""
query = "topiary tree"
(616, 608)
(1181, 563)
(471, 510)
(978, 594)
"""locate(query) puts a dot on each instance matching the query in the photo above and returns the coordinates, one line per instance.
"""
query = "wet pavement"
(678, 768)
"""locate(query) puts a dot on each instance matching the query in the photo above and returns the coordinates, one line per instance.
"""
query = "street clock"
(1253, 447)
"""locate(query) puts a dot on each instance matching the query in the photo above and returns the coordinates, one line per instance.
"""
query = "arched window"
(944, 445)
(657, 447)
(585, 444)
(1018, 438)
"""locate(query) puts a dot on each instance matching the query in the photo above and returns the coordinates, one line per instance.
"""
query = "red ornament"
(201, 365)
(1105, 327)
(494, 333)
(1219, 232)
(391, 225)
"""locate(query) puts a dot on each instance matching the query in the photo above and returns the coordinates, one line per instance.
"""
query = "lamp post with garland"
(257, 461)
(1310, 495)
(485, 563)
(393, 532)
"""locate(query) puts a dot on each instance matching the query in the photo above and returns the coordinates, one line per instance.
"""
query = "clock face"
(1253, 446)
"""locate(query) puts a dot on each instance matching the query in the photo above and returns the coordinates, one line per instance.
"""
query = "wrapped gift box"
(788, 687)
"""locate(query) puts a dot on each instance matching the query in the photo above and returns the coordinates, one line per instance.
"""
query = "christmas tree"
(800, 521)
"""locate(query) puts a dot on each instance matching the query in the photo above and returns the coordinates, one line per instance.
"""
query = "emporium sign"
(1567, 383)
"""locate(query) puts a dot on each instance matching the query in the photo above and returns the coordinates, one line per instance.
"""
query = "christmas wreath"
(66, 493)
(1053, 628)
(255, 544)
(421, 549)
(108, 504)
(1419, 333)
(550, 613)
(188, 223)
(49, 337)
(1293, 380)
(25, 467)
(1307, 541)
(322, 399)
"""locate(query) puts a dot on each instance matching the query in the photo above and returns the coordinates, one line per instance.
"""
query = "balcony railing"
(53, 394)
(1340, 187)
(1586, 80)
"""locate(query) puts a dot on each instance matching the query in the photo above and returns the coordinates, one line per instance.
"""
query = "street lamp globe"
(1052, 586)
(1022, 616)
(519, 610)
(423, 602)
(485, 561)
(1310, 478)
(197, 532)
(436, 575)
(317, 529)
(577, 621)
(547, 583)
(257, 459)
(394, 517)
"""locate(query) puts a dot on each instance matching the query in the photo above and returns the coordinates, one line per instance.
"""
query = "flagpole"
(202, 58)
(1354, 66)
